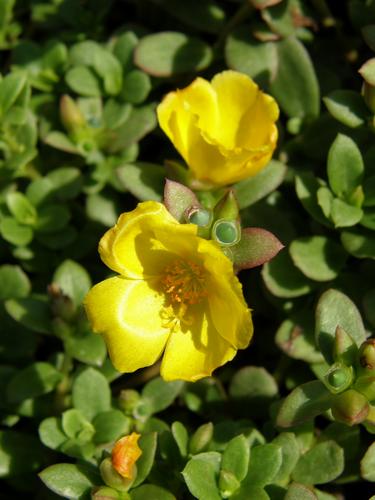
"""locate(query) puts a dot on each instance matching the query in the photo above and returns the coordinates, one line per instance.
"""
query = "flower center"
(183, 282)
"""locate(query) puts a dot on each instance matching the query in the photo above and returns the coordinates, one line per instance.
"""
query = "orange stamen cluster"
(183, 282)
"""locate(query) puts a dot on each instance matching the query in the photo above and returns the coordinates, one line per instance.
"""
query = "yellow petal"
(193, 352)
(128, 314)
(229, 311)
(131, 248)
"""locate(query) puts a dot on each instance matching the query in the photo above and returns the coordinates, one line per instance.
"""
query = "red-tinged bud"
(367, 355)
(227, 207)
(70, 114)
(350, 407)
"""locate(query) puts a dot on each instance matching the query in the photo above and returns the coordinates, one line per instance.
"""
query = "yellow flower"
(125, 453)
(176, 294)
(225, 130)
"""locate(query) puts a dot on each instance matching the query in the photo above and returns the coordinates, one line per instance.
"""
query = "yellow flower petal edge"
(225, 130)
(176, 297)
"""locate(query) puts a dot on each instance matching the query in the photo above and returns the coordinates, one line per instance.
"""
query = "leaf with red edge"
(178, 198)
(256, 247)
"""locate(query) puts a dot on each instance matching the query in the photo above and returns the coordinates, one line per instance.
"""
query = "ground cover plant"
(234, 305)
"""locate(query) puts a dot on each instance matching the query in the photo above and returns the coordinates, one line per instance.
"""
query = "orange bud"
(125, 453)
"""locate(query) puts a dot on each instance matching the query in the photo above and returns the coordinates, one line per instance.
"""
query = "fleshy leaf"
(178, 198)
(256, 247)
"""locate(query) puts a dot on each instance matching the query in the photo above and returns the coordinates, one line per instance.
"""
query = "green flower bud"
(228, 483)
(113, 479)
(201, 438)
(338, 378)
(227, 207)
(105, 493)
(70, 114)
(226, 232)
(128, 400)
(350, 407)
(365, 384)
(367, 355)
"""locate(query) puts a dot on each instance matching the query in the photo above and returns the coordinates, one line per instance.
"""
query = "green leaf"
(32, 312)
(336, 309)
(144, 180)
(109, 69)
(294, 84)
(14, 282)
(181, 437)
(91, 393)
(318, 257)
(290, 451)
(367, 71)
(236, 457)
(348, 107)
(86, 347)
(52, 218)
(322, 464)
(283, 279)
(296, 337)
(344, 166)
(136, 87)
(298, 491)
(124, 47)
(60, 141)
(65, 182)
(168, 53)
(201, 438)
(251, 190)
(14, 232)
(140, 122)
(255, 247)
(307, 187)
(250, 56)
(35, 380)
(265, 463)
(82, 80)
(151, 491)
(21, 209)
(252, 388)
(147, 443)
(345, 215)
(20, 453)
(51, 433)
(360, 243)
(109, 426)
(157, 394)
(368, 464)
(200, 475)
(75, 426)
(304, 403)
(10, 89)
(69, 480)
(73, 279)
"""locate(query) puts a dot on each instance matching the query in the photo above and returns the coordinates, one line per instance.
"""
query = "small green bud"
(367, 355)
(226, 232)
(199, 216)
(228, 483)
(113, 479)
(294, 125)
(357, 197)
(61, 305)
(365, 384)
(338, 378)
(201, 438)
(227, 207)
(345, 350)
(128, 400)
(350, 407)
(70, 114)
(105, 493)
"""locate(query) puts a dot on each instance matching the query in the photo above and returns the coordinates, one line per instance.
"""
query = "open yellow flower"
(176, 295)
(225, 130)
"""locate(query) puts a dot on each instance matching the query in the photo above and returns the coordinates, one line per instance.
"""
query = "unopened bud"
(227, 207)
(228, 483)
(125, 453)
(70, 114)
(105, 493)
(226, 232)
(201, 438)
(365, 384)
(112, 478)
(128, 400)
(350, 407)
(62, 306)
(338, 378)
(367, 355)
